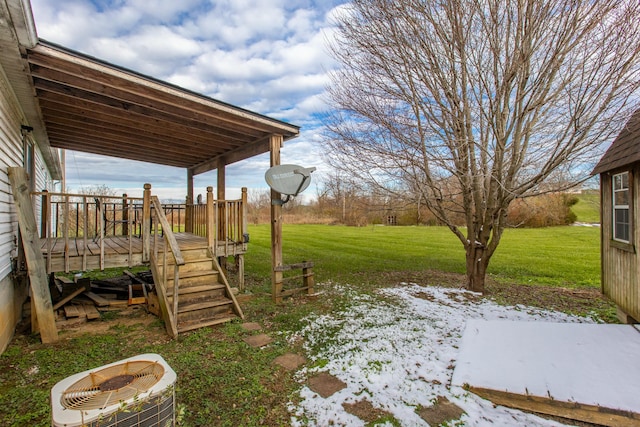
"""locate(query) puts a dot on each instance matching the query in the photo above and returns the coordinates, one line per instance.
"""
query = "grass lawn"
(559, 256)
(588, 207)
(222, 381)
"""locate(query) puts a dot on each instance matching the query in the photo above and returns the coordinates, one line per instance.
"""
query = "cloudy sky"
(268, 56)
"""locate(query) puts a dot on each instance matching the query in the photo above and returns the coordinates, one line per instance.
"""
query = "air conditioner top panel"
(104, 390)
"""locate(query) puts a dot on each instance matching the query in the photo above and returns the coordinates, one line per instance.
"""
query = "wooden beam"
(40, 295)
(275, 144)
(248, 150)
(570, 410)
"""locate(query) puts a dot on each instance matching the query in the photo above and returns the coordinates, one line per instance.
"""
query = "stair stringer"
(225, 282)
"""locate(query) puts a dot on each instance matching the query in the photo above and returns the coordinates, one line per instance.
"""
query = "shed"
(619, 171)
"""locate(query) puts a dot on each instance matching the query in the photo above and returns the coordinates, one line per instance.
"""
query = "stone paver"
(290, 361)
(251, 326)
(441, 411)
(258, 340)
(325, 384)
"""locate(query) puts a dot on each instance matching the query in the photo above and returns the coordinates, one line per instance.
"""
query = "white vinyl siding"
(11, 148)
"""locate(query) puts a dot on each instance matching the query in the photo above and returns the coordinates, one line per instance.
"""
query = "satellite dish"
(289, 180)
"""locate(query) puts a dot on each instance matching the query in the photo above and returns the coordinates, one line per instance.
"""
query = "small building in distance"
(619, 171)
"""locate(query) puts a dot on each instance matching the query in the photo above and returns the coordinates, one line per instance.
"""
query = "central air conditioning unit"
(134, 392)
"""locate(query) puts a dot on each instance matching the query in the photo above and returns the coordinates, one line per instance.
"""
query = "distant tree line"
(346, 202)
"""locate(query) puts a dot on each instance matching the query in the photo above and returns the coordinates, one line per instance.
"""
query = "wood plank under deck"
(85, 255)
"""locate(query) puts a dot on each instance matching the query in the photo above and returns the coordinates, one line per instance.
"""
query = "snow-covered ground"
(400, 355)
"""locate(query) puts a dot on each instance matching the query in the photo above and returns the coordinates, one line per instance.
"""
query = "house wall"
(12, 293)
(621, 263)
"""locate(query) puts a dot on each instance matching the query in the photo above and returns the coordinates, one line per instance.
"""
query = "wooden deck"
(118, 251)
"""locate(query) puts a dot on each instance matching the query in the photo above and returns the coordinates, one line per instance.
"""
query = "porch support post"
(244, 233)
(221, 196)
(221, 179)
(211, 223)
(188, 216)
(275, 144)
(146, 223)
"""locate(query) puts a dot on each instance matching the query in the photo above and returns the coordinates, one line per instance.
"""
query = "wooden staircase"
(192, 289)
(204, 296)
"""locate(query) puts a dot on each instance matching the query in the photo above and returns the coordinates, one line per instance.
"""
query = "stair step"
(193, 274)
(201, 305)
(210, 321)
(183, 291)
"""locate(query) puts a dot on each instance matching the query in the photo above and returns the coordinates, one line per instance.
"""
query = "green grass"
(588, 207)
(565, 256)
(224, 382)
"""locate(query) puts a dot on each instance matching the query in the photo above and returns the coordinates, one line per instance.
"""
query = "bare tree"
(473, 103)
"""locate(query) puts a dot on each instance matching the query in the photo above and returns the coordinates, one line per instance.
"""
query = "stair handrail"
(171, 315)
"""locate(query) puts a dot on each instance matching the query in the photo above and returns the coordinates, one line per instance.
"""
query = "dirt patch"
(578, 301)
(364, 410)
(132, 317)
(325, 384)
(441, 411)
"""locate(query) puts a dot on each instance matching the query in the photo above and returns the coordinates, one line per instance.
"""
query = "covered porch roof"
(92, 106)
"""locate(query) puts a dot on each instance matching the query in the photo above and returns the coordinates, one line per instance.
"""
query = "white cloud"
(268, 56)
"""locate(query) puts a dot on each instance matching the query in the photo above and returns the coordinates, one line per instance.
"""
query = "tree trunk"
(477, 263)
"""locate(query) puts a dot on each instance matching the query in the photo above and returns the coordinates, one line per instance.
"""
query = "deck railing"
(160, 266)
(94, 218)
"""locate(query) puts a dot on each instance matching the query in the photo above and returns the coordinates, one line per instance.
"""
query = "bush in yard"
(542, 211)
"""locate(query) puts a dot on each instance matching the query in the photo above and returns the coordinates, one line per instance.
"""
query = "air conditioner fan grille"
(111, 385)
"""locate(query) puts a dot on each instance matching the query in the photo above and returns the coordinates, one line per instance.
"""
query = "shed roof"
(624, 150)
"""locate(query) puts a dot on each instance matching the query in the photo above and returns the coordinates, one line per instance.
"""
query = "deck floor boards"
(116, 250)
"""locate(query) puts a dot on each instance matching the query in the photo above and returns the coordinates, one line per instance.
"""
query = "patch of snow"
(400, 355)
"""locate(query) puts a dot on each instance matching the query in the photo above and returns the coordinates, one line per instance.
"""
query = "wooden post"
(222, 206)
(188, 218)
(307, 278)
(65, 230)
(275, 143)
(44, 214)
(146, 223)
(40, 296)
(211, 224)
(125, 215)
(244, 235)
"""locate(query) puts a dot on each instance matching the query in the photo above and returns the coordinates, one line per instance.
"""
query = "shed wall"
(620, 263)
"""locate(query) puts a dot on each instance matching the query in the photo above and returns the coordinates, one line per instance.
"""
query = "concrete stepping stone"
(251, 326)
(290, 361)
(325, 384)
(440, 412)
(258, 340)
(365, 410)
